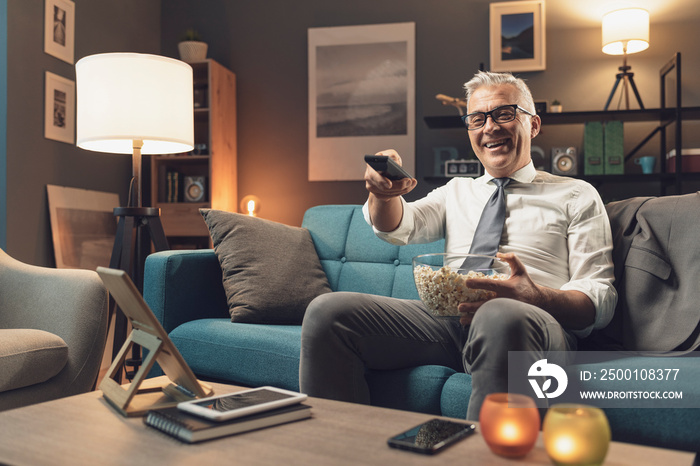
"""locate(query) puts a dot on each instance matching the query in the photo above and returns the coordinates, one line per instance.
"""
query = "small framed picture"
(517, 36)
(540, 106)
(59, 108)
(59, 29)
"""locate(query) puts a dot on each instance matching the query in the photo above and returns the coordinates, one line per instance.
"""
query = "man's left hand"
(519, 286)
(571, 308)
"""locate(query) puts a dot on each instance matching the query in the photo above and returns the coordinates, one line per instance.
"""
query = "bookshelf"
(206, 178)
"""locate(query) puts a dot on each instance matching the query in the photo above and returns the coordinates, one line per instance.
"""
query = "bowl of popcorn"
(440, 280)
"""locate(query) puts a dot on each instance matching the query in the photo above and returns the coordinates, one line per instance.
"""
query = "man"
(556, 239)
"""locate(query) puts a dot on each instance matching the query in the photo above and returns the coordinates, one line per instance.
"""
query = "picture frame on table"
(59, 108)
(59, 29)
(517, 36)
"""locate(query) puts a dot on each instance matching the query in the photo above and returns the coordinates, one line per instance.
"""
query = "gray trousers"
(344, 333)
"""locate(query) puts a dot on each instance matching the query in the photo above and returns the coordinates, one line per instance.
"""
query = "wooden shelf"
(215, 162)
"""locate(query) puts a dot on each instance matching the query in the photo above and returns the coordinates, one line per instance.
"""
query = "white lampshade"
(625, 31)
(122, 97)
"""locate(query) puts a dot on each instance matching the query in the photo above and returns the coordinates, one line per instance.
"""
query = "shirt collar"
(524, 175)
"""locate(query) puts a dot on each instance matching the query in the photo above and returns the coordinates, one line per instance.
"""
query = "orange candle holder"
(576, 434)
(509, 423)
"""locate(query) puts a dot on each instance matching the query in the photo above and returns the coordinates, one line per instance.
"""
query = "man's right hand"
(384, 189)
(385, 207)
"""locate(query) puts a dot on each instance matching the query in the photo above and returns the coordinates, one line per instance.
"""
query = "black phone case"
(451, 440)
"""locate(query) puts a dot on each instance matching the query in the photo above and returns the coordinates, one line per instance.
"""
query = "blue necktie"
(488, 232)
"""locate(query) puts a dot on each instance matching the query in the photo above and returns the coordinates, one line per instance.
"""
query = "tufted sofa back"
(354, 259)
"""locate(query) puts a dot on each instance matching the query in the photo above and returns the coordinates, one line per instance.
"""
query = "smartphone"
(387, 167)
(233, 405)
(432, 436)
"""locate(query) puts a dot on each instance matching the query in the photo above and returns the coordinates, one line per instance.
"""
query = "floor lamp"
(131, 103)
(624, 32)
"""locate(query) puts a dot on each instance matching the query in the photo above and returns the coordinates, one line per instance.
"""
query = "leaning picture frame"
(517, 36)
(59, 108)
(83, 226)
(361, 97)
(59, 29)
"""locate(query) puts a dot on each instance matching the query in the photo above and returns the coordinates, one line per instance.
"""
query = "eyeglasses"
(502, 114)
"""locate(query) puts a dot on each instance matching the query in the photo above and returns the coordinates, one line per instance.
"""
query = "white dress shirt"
(557, 226)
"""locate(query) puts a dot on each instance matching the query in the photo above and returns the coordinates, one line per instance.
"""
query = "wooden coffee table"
(84, 429)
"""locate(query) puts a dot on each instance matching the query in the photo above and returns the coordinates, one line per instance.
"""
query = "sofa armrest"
(184, 285)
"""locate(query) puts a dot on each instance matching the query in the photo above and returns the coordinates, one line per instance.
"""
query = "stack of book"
(190, 428)
(173, 187)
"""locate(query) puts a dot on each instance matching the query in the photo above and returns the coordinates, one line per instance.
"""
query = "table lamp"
(624, 32)
(132, 103)
(250, 205)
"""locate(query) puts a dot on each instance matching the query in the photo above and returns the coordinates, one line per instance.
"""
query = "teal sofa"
(184, 290)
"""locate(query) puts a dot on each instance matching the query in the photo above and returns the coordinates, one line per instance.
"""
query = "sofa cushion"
(355, 259)
(455, 395)
(29, 357)
(245, 354)
(271, 271)
(416, 389)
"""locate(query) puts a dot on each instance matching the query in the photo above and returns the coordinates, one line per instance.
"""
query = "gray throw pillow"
(271, 271)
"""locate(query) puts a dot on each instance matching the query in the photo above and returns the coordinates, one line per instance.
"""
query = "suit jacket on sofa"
(657, 264)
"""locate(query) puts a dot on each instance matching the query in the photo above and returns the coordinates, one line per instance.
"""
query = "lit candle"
(509, 423)
(576, 434)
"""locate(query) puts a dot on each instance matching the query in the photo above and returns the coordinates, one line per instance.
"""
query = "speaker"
(539, 160)
(194, 189)
(564, 161)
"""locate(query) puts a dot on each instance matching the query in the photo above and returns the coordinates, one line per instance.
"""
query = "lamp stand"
(130, 251)
(627, 79)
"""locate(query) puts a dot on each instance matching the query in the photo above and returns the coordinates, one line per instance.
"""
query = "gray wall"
(3, 122)
(33, 161)
(265, 44)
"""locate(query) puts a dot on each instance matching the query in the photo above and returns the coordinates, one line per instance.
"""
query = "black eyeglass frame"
(515, 107)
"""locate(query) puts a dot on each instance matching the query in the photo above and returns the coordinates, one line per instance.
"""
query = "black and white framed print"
(59, 29)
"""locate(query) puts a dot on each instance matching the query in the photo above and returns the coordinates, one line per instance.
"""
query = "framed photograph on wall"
(59, 29)
(517, 36)
(59, 108)
(361, 97)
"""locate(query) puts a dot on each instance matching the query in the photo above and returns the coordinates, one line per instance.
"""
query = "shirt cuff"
(602, 295)
(401, 234)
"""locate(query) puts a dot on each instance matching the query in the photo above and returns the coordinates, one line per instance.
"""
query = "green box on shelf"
(593, 150)
(614, 148)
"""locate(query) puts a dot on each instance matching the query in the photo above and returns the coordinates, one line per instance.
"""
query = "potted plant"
(192, 48)
(556, 107)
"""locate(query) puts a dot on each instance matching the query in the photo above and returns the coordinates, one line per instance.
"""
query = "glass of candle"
(576, 434)
(509, 423)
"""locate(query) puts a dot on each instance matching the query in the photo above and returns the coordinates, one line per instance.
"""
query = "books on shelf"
(190, 429)
(174, 188)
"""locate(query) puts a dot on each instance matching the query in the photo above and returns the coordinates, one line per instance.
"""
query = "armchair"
(53, 329)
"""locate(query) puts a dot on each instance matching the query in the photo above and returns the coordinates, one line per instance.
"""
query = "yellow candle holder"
(509, 423)
(576, 434)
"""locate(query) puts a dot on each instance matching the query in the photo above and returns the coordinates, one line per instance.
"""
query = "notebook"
(189, 428)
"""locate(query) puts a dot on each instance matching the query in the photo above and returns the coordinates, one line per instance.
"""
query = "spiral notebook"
(190, 429)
